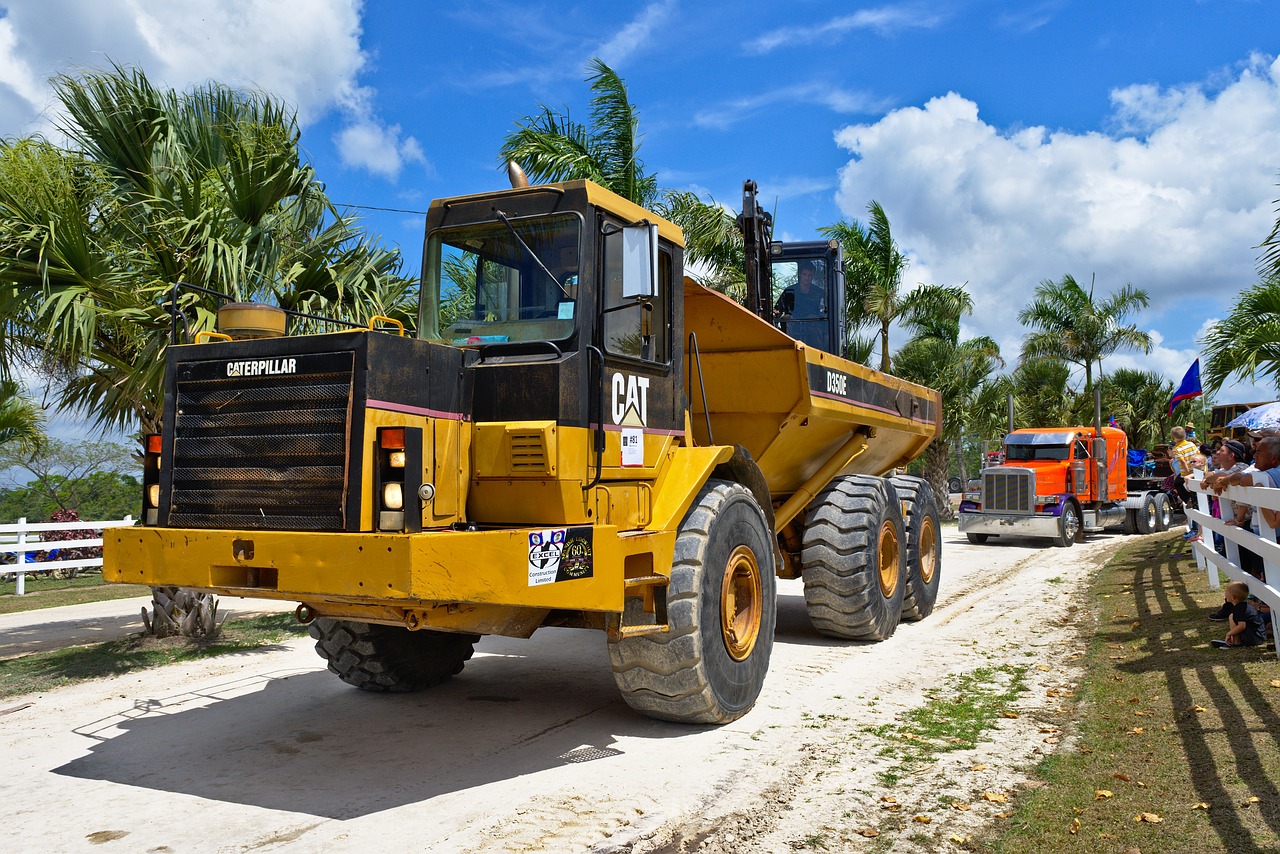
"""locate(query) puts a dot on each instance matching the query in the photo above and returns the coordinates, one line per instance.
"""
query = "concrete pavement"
(94, 622)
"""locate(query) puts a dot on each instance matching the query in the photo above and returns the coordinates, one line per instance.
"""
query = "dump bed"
(792, 406)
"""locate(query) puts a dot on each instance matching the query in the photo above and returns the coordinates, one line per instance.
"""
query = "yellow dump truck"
(576, 435)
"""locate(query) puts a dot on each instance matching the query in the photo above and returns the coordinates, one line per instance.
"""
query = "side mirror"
(640, 261)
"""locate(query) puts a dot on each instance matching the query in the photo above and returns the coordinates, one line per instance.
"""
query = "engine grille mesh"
(1010, 490)
(262, 452)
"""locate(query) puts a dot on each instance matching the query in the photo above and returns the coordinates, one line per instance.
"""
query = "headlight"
(153, 495)
(393, 496)
(396, 459)
(973, 496)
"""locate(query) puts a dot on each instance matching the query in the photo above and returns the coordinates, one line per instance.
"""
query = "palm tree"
(1247, 343)
(874, 293)
(550, 146)
(204, 187)
(1139, 400)
(935, 356)
(21, 421)
(1069, 325)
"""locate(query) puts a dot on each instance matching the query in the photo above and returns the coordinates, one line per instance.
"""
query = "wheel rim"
(928, 551)
(741, 603)
(888, 559)
(1070, 524)
(1151, 510)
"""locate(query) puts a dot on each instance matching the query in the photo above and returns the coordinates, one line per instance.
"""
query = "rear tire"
(1146, 516)
(1163, 514)
(1068, 525)
(854, 559)
(374, 657)
(721, 609)
(1131, 521)
(978, 539)
(924, 548)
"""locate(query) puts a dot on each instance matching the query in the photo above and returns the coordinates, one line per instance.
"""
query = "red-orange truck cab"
(1057, 482)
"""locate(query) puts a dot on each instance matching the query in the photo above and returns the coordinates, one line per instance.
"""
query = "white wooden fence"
(23, 538)
(1265, 546)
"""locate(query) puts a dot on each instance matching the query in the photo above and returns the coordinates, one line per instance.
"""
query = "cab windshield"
(502, 281)
(1037, 452)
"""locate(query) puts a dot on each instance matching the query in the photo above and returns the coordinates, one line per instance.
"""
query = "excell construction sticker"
(560, 554)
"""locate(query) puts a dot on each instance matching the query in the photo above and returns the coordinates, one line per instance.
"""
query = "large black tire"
(721, 608)
(1146, 515)
(854, 559)
(924, 547)
(1164, 515)
(1068, 525)
(1131, 521)
(977, 539)
(390, 658)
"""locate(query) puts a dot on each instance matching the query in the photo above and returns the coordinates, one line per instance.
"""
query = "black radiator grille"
(1008, 490)
(265, 452)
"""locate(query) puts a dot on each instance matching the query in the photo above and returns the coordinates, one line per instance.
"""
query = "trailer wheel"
(1164, 515)
(1146, 515)
(854, 559)
(924, 549)
(1068, 525)
(721, 609)
(978, 539)
(390, 658)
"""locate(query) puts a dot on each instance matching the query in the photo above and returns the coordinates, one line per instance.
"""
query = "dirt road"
(531, 749)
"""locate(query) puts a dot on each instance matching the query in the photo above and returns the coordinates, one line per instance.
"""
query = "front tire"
(854, 559)
(374, 657)
(1068, 525)
(721, 609)
(924, 548)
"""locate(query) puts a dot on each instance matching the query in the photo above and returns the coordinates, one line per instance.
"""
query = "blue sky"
(1138, 142)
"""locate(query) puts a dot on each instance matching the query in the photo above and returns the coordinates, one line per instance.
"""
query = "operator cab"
(808, 292)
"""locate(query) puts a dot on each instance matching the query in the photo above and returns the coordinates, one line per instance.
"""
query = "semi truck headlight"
(393, 496)
(973, 496)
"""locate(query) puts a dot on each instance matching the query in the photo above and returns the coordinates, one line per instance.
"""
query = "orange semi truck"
(1059, 482)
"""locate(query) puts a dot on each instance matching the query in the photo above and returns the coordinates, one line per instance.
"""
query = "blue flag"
(1189, 388)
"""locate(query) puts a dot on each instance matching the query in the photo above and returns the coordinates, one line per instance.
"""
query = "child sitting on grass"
(1245, 625)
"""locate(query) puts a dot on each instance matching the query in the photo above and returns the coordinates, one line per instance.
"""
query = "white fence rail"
(1263, 545)
(23, 538)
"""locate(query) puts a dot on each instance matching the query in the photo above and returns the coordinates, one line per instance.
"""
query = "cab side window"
(637, 330)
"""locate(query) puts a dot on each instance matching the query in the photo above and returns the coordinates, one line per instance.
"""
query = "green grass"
(954, 717)
(45, 592)
(44, 671)
(1167, 726)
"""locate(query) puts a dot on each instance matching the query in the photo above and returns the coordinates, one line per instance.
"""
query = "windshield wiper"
(532, 254)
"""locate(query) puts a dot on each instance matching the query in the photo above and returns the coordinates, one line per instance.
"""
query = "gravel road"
(531, 749)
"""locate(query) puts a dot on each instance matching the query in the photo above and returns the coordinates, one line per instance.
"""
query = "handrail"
(702, 386)
(599, 436)
(174, 314)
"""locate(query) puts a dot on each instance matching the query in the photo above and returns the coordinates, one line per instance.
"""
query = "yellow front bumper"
(584, 570)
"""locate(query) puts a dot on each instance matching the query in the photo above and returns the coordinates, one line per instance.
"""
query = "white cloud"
(377, 148)
(833, 98)
(1175, 211)
(312, 59)
(636, 33)
(883, 21)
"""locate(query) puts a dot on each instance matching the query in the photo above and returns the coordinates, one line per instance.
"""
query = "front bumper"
(584, 570)
(977, 522)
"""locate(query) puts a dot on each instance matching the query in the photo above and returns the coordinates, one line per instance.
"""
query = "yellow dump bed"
(790, 405)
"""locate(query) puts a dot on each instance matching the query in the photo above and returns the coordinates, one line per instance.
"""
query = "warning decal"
(560, 554)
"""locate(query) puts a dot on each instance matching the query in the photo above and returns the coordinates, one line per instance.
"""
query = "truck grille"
(265, 451)
(1008, 490)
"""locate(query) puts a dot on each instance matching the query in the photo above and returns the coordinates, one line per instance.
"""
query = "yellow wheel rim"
(741, 603)
(888, 559)
(928, 550)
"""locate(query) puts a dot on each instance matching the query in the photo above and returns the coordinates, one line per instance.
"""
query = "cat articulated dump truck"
(576, 435)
